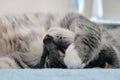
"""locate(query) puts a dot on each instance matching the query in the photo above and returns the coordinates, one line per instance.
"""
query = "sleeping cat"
(76, 43)
(84, 44)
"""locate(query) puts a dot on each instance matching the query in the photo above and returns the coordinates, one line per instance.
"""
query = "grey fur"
(90, 39)
(21, 38)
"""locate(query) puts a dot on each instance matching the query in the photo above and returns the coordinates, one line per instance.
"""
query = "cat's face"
(62, 37)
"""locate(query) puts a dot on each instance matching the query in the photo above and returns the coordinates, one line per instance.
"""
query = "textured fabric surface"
(60, 74)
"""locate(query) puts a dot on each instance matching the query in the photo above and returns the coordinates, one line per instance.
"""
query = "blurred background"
(103, 12)
(107, 9)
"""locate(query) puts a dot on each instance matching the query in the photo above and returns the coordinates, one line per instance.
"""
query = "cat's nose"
(48, 37)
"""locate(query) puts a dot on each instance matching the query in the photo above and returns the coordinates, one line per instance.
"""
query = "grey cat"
(86, 46)
(77, 42)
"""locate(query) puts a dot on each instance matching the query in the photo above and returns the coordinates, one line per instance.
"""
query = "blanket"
(60, 74)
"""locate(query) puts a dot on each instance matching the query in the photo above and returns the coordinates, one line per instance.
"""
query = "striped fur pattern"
(88, 43)
(90, 40)
(21, 40)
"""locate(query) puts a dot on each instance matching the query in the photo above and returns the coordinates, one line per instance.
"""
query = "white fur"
(6, 62)
(72, 59)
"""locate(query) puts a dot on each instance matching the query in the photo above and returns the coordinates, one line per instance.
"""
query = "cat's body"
(21, 38)
(82, 40)
(88, 46)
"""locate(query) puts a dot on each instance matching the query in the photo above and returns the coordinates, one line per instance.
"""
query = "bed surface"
(60, 74)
